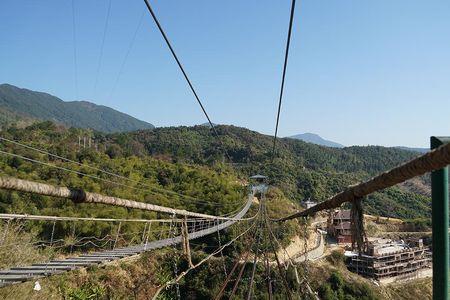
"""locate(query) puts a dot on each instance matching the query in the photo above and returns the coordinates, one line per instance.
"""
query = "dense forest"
(190, 160)
(163, 163)
(301, 170)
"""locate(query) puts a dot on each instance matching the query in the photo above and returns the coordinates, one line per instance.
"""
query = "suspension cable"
(243, 256)
(286, 55)
(255, 259)
(280, 270)
(105, 29)
(292, 262)
(130, 47)
(57, 218)
(255, 243)
(74, 41)
(173, 281)
(268, 279)
(430, 161)
(89, 166)
(149, 188)
(81, 196)
(180, 66)
(221, 252)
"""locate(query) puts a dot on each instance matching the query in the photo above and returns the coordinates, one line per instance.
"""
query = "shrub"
(336, 258)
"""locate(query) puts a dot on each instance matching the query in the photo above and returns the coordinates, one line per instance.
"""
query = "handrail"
(433, 160)
(81, 196)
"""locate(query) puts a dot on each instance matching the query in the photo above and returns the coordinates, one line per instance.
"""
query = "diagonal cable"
(180, 66)
(127, 54)
(286, 55)
(105, 29)
(149, 188)
(74, 41)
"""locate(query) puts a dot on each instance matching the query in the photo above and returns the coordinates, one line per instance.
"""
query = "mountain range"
(302, 169)
(23, 105)
(420, 150)
(316, 139)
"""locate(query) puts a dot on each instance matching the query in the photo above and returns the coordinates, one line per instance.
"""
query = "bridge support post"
(117, 235)
(439, 193)
(186, 246)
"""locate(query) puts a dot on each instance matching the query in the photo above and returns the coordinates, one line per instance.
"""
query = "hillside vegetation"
(187, 160)
(218, 190)
(300, 170)
(139, 278)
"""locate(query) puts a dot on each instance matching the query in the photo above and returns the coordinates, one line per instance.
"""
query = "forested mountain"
(191, 161)
(22, 105)
(420, 150)
(300, 170)
(316, 139)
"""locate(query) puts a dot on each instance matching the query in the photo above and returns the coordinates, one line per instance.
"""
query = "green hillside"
(213, 189)
(21, 104)
(186, 160)
(301, 170)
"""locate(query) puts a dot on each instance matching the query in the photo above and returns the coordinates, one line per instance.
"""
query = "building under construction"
(388, 261)
(339, 226)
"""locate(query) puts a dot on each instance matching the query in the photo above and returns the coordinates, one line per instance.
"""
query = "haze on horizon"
(359, 73)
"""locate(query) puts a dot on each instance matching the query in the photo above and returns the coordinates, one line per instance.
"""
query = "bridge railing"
(81, 196)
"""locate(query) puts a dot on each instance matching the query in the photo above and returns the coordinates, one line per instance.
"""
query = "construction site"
(388, 261)
(384, 260)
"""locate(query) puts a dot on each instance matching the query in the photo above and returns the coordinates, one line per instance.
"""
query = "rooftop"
(390, 248)
(342, 214)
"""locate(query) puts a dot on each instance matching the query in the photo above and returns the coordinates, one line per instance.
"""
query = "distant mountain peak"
(206, 124)
(413, 149)
(316, 139)
(20, 103)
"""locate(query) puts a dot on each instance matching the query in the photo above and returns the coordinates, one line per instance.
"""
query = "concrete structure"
(388, 261)
(339, 226)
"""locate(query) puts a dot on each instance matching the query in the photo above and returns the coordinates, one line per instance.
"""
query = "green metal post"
(439, 206)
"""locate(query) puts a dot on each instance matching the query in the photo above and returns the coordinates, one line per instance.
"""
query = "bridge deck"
(21, 274)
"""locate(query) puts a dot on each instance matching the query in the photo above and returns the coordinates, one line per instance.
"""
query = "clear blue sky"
(360, 72)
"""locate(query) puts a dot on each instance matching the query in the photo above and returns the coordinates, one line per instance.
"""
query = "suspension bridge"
(185, 226)
(182, 226)
(194, 229)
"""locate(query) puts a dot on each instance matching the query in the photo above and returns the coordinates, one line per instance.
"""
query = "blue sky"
(360, 72)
